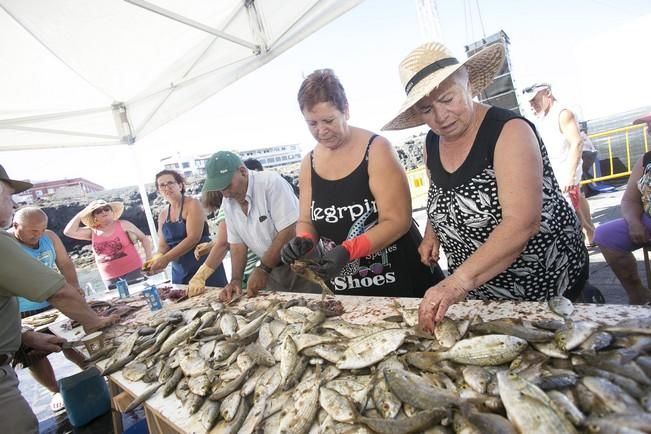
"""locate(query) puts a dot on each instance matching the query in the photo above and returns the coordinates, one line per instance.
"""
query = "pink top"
(115, 255)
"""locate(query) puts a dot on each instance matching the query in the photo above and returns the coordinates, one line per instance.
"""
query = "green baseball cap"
(220, 168)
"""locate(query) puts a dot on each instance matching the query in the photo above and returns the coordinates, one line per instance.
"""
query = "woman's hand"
(296, 249)
(638, 233)
(197, 284)
(438, 299)
(429, 250)
(158, 264)
(202, 249)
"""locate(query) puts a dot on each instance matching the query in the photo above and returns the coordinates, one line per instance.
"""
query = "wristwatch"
(265, 268)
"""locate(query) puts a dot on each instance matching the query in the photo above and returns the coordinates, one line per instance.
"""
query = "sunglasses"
(105, 208)
(376, 268)
(166, 184)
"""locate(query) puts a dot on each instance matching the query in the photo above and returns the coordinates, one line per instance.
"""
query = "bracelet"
(264, 268)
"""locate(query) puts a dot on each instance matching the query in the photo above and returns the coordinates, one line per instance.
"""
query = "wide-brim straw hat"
(87, 213)
(425, 68)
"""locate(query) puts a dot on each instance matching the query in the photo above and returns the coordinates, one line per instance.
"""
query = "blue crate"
(85, 396)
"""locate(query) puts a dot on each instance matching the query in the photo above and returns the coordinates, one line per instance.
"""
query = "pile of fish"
(277, 368)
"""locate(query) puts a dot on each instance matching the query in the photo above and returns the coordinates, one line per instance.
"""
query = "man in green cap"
(261, 212)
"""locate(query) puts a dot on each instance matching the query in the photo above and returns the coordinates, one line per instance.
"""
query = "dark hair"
(176, 175)
(212, 200)
(253, 164)
(322, 86)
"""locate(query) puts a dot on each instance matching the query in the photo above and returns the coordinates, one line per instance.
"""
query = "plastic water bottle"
(123, 288)
(89, 289)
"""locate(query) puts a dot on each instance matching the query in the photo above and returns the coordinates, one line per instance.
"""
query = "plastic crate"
(85, 396)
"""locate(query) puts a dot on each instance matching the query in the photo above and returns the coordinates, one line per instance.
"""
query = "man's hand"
(233, 287)
(429, 250)
(438, 299)
(42, 342)
(257, 281)
(330, 264)
(202, 249)
(296, 249)
(102, 323)
(638, 233)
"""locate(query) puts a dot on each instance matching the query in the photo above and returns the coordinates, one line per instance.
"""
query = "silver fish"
(173, 381)
(613, 396)
(144, 396)
(134, 371)
(561, 306)
(336, 405)
(565, 405)
(487, 350)
(303, 407)
(229, 406)
(447, 333)
(370, 349)
(574, 333)
(411, 389)
(529, 408)
(209, 414)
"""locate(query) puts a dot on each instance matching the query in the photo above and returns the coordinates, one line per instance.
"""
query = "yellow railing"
(419, 184)
(609, 135)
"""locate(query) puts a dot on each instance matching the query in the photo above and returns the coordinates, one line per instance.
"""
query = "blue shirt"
(46, 254)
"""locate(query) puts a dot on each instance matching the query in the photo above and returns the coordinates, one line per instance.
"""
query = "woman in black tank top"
(494, 204)
(355, 200)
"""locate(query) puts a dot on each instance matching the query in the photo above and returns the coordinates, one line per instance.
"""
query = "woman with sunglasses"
(180, 228)
(112, 240)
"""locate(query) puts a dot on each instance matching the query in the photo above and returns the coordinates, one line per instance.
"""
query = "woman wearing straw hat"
(494, 204)
(112, 240)
(354, 199)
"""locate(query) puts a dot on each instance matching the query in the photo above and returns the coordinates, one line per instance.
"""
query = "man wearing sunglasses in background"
(22, 275)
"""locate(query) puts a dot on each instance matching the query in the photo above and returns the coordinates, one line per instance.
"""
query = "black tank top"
(345, 208)
(463, 208)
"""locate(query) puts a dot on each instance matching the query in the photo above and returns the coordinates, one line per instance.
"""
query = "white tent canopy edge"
(179, 54)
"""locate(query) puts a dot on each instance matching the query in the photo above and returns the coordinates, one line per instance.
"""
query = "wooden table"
(167, 415)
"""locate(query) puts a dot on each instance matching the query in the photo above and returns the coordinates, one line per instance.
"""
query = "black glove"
(331, 264)
(296, 249)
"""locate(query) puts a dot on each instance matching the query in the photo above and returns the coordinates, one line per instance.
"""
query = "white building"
(272, 157)
(186, 165)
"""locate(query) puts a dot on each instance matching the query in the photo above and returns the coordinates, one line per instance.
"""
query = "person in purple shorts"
(619, 238)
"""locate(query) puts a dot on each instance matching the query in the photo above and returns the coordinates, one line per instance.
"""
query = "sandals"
(56, 403)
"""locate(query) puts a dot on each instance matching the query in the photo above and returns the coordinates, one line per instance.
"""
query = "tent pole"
(145, 198)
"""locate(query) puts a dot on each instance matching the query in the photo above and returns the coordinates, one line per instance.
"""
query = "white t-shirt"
(272, 208)
(558, 149)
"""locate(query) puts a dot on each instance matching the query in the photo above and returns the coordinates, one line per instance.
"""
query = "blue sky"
(364, 47)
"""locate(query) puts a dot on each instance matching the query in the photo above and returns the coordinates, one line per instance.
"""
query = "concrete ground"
(604, 207)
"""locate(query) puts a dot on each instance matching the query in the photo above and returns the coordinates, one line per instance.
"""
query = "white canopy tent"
(78, 73)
